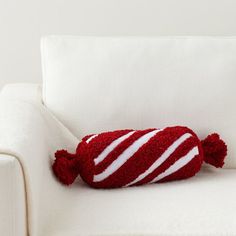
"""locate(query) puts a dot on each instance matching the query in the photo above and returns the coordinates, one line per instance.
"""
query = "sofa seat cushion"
(204, 205)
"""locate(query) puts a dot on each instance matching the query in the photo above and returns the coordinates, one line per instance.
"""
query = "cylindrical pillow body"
(125, 158)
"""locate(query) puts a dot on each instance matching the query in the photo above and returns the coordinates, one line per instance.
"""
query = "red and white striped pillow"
(134, 157)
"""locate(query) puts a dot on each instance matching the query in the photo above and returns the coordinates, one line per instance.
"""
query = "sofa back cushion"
(93, 84)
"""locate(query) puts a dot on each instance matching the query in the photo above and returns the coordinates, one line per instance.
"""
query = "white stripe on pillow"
(123, 157)
(111, 147)
(178, 164)
(162, 158)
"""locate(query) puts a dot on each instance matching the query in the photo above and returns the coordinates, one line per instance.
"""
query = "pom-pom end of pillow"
(65, 167)
(215, 150)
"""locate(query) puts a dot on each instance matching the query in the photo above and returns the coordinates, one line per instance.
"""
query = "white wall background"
(22, 22)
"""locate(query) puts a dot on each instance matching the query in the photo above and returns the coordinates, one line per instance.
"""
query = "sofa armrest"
(31, 134)
(23, 92)
(12, 194)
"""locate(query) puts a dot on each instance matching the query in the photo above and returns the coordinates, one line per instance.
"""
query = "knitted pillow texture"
(125, 158)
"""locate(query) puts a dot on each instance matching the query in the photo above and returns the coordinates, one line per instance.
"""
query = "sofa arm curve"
(13, 199)
(31, 134)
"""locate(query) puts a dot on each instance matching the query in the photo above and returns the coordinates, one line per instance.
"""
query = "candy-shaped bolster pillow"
(134, 157)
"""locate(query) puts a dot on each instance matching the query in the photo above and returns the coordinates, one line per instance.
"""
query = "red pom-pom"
(214, 149)
(65, 167)
(63, 153)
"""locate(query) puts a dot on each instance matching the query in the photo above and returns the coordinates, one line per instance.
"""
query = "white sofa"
(91, 84)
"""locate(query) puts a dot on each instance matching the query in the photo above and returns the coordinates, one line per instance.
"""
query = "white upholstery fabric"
(94, 84)
(203, 205)
(31, 134)
(13, 220)
(22, 92)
